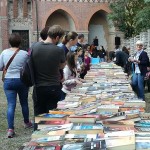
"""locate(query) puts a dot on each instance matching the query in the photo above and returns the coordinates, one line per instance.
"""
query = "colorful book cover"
(87, 127)
(142, 125)
(52, 122)
(88, 145)
(143, 129)
(58, 127)
(52, 115)
(142, 144)
(40, 148)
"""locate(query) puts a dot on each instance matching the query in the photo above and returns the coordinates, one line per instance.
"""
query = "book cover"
(52, 115)
(48, 139)
(142, 144)
(99, 144)
(47, 117)
(87, 127)
(117, 128)
(143, 129)
(47, 133)
(78, 136)
(58, 127)
(61, 112)
(52, 122)
(40, 148)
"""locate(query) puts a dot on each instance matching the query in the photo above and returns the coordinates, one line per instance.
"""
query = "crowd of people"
(60, 61)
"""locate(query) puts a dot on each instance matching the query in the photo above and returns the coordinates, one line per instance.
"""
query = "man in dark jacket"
(121, 58)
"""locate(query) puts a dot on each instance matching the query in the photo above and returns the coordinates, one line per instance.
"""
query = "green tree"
(124, 15)
(143, 18)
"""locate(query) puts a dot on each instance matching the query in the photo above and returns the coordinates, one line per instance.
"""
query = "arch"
(103, 7)
(58, 7)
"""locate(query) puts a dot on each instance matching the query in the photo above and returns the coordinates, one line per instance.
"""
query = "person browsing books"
(140, 63)
(48, 59)
(70, 74)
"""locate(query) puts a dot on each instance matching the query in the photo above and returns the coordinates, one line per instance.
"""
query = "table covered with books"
(102, 113)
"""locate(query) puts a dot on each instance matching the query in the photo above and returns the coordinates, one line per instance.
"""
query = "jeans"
(45, 98)
(138, 85)
(12, 87)
(102, 59)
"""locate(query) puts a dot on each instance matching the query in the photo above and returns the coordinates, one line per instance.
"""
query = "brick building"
(83, 16)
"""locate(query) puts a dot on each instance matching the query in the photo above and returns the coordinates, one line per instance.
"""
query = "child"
(70, 74)
(87, 61)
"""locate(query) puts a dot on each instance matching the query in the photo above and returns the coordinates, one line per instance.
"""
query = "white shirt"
(137, 69)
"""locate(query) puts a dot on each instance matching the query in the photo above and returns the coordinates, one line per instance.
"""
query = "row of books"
(103, 113)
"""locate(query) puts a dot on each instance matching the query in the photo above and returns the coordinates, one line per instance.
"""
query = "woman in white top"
(70, 74)
(12, 83)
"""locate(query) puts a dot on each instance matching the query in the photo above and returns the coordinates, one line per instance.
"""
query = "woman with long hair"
(70, 39)
(70, 74)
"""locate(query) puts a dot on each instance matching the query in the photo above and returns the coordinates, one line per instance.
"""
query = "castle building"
(29, 17)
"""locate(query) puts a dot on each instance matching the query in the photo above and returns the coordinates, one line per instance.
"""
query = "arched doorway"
(98, 26)
(62, 18)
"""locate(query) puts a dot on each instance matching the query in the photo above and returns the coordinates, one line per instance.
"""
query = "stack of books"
(103, 113)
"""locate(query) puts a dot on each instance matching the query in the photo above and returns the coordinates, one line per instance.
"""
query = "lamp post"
(37, 27)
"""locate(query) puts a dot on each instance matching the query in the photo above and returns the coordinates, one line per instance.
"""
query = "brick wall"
(79, 12)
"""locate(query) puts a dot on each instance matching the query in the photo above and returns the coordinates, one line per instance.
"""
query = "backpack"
(27, 73)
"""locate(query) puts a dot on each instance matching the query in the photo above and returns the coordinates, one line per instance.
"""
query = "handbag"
(7, 65)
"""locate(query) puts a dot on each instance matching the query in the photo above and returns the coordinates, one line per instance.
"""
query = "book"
(143, 129)
(43, 124)
(98, 144)
(118, 128)
(118, 123)
(108, 108)
(142, 144)
(47, 133)
(123, 108)
(145, 115)
(86, 129)
(118, 116)
(120, 138)
(58, 147)
(82, 119)
(142, 135)
(139, 103)
(84, 136)
(61, 112)
(48, 116)
(58, 127)
(48, 139)
(88, 99)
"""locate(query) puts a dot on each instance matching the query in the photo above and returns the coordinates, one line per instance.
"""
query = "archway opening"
(62, 18)
(98, 26)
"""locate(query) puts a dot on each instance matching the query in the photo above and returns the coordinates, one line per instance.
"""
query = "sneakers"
(10, 133)
(28, 125)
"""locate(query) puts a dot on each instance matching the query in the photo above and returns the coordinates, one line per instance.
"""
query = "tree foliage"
(130, 16)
